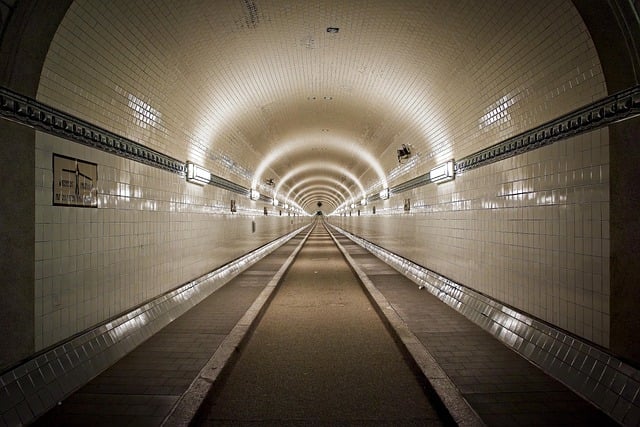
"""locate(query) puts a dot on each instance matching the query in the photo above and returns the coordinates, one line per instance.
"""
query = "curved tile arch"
(332, 206)
(319, 179)
(333, 143)
(312, 203)
(314, 189)
(324, 190)
(319, 192)
(321, 166)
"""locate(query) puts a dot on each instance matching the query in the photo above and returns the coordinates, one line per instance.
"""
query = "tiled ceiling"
(326, 89)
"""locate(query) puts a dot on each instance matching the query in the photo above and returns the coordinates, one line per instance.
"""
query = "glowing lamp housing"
(442, 173)
(197, 174)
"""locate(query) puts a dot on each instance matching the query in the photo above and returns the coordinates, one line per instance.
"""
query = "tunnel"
(472, 165)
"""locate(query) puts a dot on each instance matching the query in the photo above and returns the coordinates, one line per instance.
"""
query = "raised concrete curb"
(188, 404)
(457, 406)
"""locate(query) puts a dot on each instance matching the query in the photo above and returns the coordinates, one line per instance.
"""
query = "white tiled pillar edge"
(599, 377)
(35, 386)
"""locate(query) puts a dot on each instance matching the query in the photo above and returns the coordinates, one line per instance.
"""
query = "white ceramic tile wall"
(514, 66)
(531, 231)
(202, 82)
(151, 232)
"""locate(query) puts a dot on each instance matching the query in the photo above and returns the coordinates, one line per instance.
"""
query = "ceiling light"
(197, 174)
(442, 173)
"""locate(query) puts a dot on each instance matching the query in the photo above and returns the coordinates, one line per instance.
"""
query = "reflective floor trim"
(600, 378)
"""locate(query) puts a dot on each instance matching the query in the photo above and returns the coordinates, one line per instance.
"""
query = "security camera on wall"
(404, 152)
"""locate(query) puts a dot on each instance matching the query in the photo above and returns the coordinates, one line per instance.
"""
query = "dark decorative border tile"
(614, 108)
(611, 109)
(47, 119)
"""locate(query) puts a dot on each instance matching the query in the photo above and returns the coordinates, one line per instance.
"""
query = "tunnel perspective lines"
(320, 167)
(320, 354)
(320, 189)
(320, 179)
(333, 143)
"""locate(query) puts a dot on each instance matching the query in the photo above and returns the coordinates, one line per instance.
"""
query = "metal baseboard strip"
(591, 372)
(32, 388)
(457, 406)
(188, 404)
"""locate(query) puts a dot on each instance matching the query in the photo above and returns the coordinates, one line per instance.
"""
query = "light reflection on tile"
(581, 366)
(64, 368)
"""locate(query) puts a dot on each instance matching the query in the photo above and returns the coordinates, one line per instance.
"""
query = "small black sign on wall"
(74, 182)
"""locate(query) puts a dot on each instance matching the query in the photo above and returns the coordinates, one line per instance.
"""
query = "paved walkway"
(142, 388)
(501, 386)
(320, 356)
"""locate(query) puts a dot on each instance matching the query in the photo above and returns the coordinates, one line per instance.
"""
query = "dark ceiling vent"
(333, 30)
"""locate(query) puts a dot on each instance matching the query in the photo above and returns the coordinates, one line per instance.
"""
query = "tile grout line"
(189, 402)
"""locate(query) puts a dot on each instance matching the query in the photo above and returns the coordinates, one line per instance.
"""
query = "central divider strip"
(446, 390)
(322, 355)
(187, 406)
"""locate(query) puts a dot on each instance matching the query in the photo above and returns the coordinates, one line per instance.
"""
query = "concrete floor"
(143, 387)
(320, 355)
(500, 385)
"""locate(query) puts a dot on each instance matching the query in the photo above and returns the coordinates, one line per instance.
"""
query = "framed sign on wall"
(74, 182)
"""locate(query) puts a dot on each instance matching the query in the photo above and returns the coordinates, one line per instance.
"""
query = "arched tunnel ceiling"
(325, 89)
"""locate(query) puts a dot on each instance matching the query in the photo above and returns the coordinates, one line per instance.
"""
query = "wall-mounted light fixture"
(255, 195)
(404, 152)
(384, 194)
(442, 173)
(275, 202)
(197, 174)
(363, 202)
